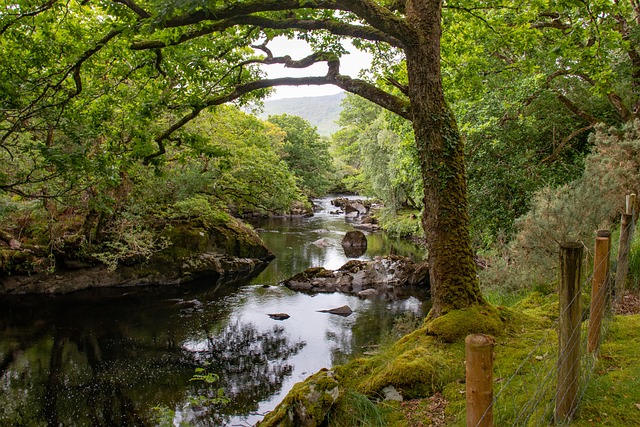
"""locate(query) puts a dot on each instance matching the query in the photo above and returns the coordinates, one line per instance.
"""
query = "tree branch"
(235, 9)
(556, 152)
(337, 28)
(355, 86)
(376, 16)
(133, 6)
(575, 109)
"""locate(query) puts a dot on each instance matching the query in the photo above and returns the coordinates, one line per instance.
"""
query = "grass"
(633, 278)
(612, 397)
(419, 367)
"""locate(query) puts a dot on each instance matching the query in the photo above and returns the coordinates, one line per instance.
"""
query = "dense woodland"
(118, 116)
(490, 130)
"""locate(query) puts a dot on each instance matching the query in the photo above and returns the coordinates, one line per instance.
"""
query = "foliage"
(231, 164)
(573, 211)
(306, 154)
(377, 154)
(166, 416)
(405, 223)
(127, 240)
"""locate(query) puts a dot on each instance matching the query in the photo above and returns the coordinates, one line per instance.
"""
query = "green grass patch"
(419, 365)
(612, 397)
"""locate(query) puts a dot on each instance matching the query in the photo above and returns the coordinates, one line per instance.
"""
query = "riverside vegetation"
(115, 144)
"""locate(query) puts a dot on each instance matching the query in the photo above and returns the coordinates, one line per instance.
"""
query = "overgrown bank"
(106, 219)
(419, 380)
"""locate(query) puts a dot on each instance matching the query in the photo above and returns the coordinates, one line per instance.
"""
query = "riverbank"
(419, 381)
(221, 250)
(136, 348)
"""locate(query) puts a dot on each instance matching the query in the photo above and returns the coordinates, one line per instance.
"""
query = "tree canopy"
(122, 79)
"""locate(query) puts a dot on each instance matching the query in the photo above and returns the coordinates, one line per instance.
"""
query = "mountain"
(321, 111)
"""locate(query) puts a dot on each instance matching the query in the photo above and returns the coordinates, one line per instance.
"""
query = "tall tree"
(192, 55)
(306, 154)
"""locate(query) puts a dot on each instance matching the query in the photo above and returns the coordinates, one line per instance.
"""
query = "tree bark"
(454, 283)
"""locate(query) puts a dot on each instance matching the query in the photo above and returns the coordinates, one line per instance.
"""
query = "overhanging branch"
(334, 27)
(355, 86)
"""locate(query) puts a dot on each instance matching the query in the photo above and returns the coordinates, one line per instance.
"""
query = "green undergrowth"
(403, 223)
(419, 366)
(613, 395)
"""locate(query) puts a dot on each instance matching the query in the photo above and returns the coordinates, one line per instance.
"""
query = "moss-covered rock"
(236, 238)
(21, 262)
(457, 324)
(418, 372)
(224, 250)
(307, 404)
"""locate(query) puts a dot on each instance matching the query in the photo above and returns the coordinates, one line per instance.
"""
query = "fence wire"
(541, 364)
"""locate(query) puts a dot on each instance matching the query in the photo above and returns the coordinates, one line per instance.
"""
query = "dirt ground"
(628, 304)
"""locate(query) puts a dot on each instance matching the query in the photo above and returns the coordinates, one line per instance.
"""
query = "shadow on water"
(108, 357)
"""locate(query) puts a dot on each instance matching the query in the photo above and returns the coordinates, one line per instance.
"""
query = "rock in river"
(279, 316)
(391, 276)
(345, 311)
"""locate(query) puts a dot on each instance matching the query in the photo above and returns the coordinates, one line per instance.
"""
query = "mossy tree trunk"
(412, 26)
(454, 283)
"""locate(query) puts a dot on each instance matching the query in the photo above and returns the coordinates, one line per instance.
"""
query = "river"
(120, 357)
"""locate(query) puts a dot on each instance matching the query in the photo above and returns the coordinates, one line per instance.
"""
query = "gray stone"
(390, 393)
(279, 316)
(345, 311)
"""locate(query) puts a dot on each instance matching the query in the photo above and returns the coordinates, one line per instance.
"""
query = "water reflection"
(292, 239)
(107, 357)
(252, 365)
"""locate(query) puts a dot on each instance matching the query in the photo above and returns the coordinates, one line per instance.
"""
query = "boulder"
(222, 252)
(354, 239)
(307, 404)
(392, 277)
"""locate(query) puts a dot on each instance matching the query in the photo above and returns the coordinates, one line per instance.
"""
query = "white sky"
(349, 65)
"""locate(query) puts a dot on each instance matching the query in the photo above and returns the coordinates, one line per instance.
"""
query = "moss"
(238, 239)
(21, 262)
(307, 404)
(192, 238)
(418, 372)
(186, 241)
(311, 273)
(457, 324)
(613, 394)
(353, 266)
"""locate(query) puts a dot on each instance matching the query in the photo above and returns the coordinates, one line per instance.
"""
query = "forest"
(489, 131)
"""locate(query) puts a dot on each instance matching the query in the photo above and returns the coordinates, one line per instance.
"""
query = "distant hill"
(321, 111)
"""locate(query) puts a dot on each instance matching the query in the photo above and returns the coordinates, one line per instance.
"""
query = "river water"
(116, 358)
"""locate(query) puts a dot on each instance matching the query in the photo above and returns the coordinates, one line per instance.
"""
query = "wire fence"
(530, 395)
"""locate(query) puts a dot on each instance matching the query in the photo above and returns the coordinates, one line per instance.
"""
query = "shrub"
(573, 212)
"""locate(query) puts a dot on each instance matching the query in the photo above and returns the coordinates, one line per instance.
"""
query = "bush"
(575, 211)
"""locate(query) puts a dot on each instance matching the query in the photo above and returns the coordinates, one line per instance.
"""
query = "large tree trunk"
(454, 283)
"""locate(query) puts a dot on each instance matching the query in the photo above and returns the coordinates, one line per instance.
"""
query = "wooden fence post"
(479, 363)
(626, 224)
(569, 330)
(599, 291)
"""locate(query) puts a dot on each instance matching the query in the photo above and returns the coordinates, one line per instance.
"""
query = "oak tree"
(163, 62)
